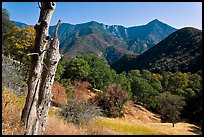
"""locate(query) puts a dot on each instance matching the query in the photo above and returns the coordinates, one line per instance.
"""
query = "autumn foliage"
(20, 42)
(59, 94)
(111, 101)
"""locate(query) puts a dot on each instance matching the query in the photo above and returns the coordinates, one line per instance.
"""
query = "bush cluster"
(79, 112)
(111, 101)
(12, 75)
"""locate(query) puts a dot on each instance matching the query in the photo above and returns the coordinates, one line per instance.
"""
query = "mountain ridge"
(98, 38)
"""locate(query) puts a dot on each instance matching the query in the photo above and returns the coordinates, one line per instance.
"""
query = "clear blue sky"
(176, 14)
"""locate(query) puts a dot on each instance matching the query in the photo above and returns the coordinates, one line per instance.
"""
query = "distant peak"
(93, 22)
(155, 21)
(90, 23)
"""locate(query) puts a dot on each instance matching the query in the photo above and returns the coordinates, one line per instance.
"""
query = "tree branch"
(56, 29)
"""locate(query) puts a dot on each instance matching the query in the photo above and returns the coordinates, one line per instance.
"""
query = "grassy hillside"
(12, 106)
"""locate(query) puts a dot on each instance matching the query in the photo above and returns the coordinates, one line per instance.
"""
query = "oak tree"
(170, 106)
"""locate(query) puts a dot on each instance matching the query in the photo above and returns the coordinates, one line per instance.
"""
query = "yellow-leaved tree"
(20, 42)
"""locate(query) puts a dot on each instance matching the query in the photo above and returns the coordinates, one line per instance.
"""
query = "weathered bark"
(29, 112)
(45, 93)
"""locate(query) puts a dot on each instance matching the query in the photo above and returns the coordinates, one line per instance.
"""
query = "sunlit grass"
(128, 128)
(11, 113)
(53, 112)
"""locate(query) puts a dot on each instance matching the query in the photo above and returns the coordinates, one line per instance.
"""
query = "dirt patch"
(137, 113)
(81, 91)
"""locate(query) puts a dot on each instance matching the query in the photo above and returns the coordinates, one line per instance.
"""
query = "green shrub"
(77, 69)
(79, 112)
(144, 93)
(111, 101)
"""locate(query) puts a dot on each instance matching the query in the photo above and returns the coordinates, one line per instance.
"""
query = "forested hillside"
(180, 51)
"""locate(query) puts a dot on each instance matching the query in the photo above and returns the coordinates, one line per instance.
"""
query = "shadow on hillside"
(195, 129)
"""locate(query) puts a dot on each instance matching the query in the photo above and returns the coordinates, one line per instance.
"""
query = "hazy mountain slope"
(182, 50)
(144, 37)
(20, 24)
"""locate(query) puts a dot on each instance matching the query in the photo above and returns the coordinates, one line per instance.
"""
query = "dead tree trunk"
(29, 112)
(45, 93)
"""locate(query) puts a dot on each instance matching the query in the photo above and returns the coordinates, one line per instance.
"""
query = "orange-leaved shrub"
(111, 101)
(59, 94)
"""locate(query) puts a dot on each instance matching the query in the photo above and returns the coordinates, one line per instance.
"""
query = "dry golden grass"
(107, 126)
(141, 128)
(131, 128)
(11, 113)
(178, 129)
(111, 126)
(93, 128)
(137, 113)
(57, 126)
